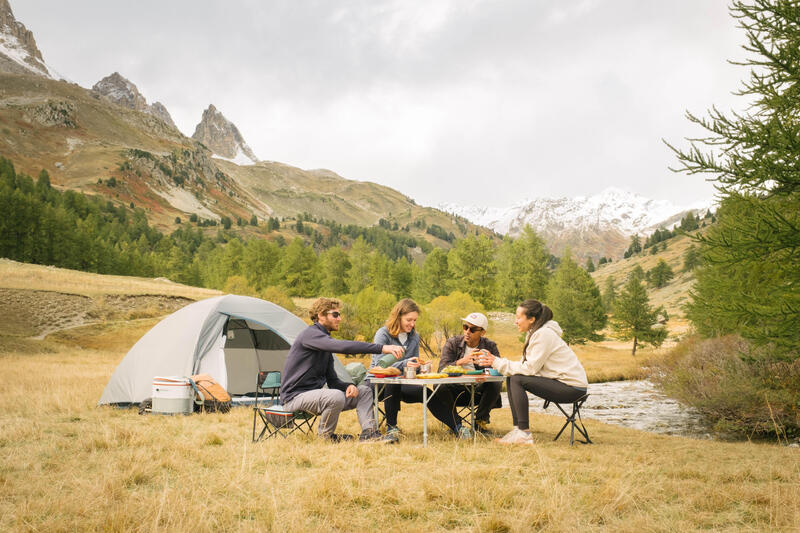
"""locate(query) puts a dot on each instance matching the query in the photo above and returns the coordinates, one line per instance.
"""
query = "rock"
(222, 137)
(18, 51)
(119, 90)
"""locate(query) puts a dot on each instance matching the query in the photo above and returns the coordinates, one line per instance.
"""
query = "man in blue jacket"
(309, 367)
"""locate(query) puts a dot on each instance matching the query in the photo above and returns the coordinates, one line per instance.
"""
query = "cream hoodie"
(548, 356)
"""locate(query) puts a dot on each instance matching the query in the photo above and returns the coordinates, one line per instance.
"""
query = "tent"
(229, 337)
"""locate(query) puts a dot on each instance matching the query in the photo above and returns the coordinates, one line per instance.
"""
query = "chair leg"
(570, 421)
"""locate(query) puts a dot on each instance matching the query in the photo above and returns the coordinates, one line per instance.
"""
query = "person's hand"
(486, 359)
(413, 362)
(467, 359)
(351, 392)
(396, 351)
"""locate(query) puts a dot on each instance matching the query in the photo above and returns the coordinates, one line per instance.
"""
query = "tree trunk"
(635, 341)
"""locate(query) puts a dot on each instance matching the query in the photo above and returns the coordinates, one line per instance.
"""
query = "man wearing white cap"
(464, 350)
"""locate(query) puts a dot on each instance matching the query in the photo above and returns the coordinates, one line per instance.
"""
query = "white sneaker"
(511, 434)
(522, 437)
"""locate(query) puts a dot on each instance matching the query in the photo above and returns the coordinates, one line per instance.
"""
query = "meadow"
(67, 465)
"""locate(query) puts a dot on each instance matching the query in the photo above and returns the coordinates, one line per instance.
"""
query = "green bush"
(740, 389)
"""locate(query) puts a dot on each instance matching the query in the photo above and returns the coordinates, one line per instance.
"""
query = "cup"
(425, 368)
(411, 372)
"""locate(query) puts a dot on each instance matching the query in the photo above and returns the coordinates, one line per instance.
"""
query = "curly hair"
(322, 306)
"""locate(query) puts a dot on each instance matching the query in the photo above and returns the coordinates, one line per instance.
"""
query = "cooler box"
(172, 395)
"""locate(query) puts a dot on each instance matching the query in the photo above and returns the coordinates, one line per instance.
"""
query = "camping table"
(434, 384)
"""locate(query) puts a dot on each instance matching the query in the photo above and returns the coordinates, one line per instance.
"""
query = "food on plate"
(452, 369)
(435, 375)
(384, 372)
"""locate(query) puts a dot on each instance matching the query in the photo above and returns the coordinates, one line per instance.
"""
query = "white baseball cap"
(477, 319)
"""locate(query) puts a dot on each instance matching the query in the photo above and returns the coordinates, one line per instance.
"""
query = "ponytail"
(539, 311)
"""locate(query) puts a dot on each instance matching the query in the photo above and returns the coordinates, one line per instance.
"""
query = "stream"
(637, 405)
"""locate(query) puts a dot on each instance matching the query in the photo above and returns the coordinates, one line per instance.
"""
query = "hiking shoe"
(482, 426)
(518, 436)
(338, 437)
(393, 430)
(464, 432)
(373, 435)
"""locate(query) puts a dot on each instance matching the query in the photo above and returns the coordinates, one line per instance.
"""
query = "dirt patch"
(36, 314)
(26, 313)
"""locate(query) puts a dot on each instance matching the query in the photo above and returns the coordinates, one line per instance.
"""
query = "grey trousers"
(328, 403)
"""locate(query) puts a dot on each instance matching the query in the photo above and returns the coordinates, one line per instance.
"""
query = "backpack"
(209, 395)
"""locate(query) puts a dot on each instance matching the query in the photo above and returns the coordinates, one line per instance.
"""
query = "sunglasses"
(335, 314)
(472, 329)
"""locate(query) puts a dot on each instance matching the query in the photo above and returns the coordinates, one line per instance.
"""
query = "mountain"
(222, 137)
(121, 91)
(18, 51)
(592, 226)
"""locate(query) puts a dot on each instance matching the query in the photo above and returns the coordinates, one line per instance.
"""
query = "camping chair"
(274, 419)
(571, 421)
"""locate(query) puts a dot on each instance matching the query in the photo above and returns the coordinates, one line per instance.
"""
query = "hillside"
(84, 140)
(675, 294)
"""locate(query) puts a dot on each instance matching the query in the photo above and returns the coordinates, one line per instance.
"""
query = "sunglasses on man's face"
(472, 329)
(335, 314)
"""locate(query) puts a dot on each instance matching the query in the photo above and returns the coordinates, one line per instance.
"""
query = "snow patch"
(240, 159)
(13, 49)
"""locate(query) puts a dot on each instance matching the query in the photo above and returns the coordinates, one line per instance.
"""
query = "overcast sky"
(469, 101)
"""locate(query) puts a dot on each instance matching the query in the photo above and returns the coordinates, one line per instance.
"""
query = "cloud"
(434, 98)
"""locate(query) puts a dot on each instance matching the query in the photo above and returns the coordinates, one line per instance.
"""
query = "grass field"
(67, 465)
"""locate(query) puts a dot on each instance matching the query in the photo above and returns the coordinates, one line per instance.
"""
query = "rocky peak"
(18, 51)
(222, 137)
(121, 91)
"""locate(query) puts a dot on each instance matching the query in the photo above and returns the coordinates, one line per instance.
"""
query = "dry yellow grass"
(67, 465)
(15, 275)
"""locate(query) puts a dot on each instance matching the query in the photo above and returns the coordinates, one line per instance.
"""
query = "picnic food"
(436, 375)
(453, 369)
(384, 372)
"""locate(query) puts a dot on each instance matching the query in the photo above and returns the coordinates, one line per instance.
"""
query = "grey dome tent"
(231, 338)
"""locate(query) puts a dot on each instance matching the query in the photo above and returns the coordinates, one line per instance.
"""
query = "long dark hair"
(539, 311)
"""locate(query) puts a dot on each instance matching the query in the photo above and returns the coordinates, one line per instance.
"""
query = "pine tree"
(521, 268)
(472, 268)
(434, 276)
(589, 265)
(660, 274)
(575, 300)
(691, 258)
(753, 158)
(334, 265)
(609, 294)
(635, 319)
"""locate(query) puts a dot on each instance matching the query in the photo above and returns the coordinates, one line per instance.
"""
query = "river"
(637, 405)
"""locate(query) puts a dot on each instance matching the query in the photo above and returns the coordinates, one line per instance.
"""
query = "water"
(637, 405)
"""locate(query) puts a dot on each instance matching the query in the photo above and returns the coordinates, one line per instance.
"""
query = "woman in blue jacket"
(400, 331)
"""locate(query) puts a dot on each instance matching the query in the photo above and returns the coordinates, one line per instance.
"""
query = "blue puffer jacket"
(382, 336)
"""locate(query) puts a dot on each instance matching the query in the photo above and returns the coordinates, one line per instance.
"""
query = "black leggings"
(546, 388)
(441, 405)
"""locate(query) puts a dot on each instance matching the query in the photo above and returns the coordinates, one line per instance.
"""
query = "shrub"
(740, 389)
(278, 297)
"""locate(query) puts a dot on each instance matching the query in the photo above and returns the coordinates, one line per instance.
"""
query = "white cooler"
(172, 395)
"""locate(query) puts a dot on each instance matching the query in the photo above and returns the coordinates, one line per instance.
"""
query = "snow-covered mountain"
(590, 225)
(18, 51)
(222, 137)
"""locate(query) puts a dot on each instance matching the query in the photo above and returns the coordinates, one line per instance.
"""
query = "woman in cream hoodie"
(548, 368)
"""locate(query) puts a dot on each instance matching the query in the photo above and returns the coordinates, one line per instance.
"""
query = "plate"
(431, 376)
(456, 374)
(474, 372)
